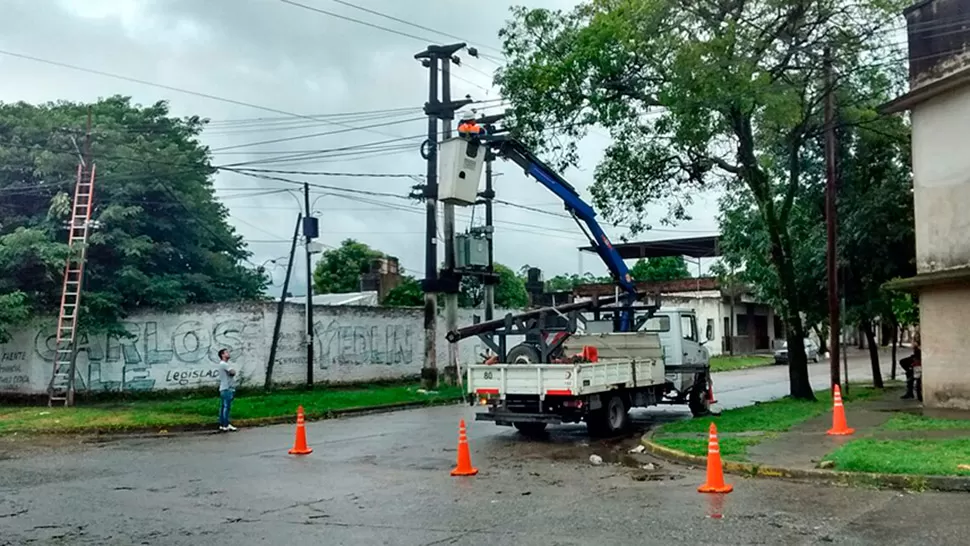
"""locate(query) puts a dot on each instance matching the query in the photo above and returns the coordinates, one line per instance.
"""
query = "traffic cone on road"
(464, 467)
(715, 473)
(710, 392)
(299, 446)
(839, 425)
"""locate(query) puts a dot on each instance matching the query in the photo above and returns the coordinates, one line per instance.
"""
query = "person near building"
(227, 390)
(912, 365)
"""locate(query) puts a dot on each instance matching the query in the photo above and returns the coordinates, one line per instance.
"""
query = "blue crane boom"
(513, 150)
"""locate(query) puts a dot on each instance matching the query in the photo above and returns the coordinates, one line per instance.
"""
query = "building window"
(710, 329)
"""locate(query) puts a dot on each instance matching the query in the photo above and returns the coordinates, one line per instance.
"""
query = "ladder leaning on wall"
(61, 387)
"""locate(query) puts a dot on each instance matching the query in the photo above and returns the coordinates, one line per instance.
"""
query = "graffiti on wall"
(364, 345)
(149, 357)
(13, 369)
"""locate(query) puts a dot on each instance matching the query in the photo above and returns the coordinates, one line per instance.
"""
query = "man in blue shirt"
(227, 390)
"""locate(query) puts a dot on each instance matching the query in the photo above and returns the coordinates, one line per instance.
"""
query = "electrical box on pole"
(311, 227)
(460, 170)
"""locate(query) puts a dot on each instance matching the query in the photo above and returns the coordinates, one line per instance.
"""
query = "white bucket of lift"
(460, 164)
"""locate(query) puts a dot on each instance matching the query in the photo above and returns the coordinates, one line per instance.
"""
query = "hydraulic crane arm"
(585, 216)
(509, 148)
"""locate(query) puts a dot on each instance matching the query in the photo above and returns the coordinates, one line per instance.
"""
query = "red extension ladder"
(61, 388)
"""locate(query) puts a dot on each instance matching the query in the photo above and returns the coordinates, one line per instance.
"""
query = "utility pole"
(449, 281)
(451, 298)
(831, 222)
(310, 231)
(268, 383)
(489, 234)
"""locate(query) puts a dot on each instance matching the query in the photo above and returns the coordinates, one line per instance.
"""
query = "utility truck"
(586, 361)
(599, 378)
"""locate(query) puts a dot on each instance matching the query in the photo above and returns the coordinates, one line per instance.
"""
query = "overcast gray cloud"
(271, 54)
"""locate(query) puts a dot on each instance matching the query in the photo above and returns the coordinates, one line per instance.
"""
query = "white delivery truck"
(662, 362)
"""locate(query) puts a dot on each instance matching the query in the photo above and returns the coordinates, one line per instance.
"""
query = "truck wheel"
(530, 429)
(611, 420)
(523, 354)
(697, 400)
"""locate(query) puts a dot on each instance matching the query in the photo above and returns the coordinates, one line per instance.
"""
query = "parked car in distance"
(811, 351)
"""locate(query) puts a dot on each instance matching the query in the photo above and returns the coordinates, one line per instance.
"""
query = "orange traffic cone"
(464, 467)
(710, 392)
(299, 446)
(839, 425)
(715, 474)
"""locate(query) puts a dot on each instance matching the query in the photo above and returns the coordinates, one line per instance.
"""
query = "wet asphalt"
(384, 479)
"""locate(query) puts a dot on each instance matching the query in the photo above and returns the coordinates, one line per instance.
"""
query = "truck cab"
(680, 338)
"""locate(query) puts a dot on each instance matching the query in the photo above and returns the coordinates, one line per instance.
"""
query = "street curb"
(208, 428)
(907, 482)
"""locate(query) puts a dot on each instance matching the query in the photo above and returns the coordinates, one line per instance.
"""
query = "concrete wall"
(945, 346)
(178, 350)
(941, 171)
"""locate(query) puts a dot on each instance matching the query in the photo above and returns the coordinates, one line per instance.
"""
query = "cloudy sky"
(285, 62)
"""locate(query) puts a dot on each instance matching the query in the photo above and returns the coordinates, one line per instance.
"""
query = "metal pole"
(309, 286)
(830, 222)
(451, 299)
(732, 329)
(489, 234)
(429, 372)
(268, 383)
(845, 356)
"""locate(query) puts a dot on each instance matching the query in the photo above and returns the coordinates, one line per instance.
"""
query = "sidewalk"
(805, 444)
(891, 436)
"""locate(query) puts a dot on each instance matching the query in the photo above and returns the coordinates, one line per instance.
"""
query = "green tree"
(339, 269)
(510, 292)
(162, 239)
(877, 242)
(875, 212)
(568, 282)
(694, 94)
(406, 294)
(665, 268)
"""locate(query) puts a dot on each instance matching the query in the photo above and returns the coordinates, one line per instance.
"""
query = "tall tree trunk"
(870, 334)
(823, 338)
(892, 371)
(800, 386)
(886, 333)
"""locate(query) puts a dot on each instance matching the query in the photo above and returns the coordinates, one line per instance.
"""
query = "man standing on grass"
(227, 389)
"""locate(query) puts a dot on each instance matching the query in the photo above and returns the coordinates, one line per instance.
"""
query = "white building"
(756, 327)
(939, 106)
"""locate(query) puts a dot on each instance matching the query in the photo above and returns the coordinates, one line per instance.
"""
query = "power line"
(358, 21)
(163, 86)
(342, 174)
(376, 26)
(314, 135)
(409, 23)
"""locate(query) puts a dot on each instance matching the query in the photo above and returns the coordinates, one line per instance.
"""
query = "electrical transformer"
(471, 251)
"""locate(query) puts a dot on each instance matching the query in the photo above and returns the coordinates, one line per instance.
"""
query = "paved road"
(744, 387)
(384, 480)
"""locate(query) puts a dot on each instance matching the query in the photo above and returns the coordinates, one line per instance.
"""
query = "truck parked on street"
(664, 362)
